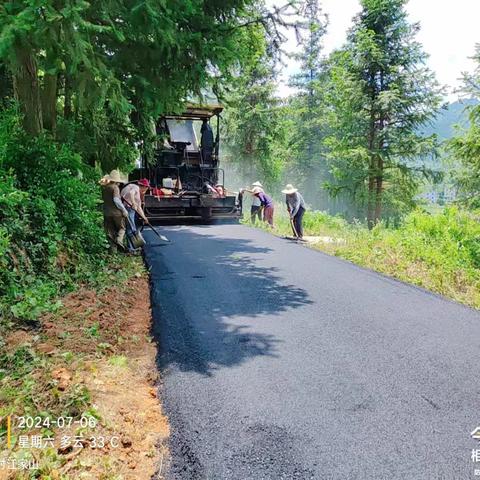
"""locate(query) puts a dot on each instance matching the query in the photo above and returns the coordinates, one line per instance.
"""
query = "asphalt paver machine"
(185, 174)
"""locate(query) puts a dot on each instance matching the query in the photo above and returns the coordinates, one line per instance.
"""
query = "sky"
(449, 32)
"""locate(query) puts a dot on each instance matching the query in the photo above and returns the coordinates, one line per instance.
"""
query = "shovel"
(161, 237)
(296, 237)
(136, 239)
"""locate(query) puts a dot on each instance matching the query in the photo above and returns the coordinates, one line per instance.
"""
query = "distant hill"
(454, 114)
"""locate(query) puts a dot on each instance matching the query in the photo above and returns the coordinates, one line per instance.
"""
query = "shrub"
(51, 232)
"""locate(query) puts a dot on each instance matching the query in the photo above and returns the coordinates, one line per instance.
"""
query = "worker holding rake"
(296, 208)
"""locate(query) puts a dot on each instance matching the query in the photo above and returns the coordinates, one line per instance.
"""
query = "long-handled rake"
(293, 227)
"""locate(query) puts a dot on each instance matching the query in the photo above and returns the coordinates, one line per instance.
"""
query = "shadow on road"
(211, 295)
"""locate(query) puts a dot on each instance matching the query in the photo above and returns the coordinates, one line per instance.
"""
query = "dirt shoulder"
(87, 379)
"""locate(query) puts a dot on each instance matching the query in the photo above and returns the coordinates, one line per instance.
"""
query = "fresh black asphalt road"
(280, 362)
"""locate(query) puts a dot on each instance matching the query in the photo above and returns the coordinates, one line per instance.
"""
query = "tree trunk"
(27, 89)
(379, 163)
(378, 191)
(49, 102)
(371, 173)
(371, 200)
(6, 84)
(67, 105)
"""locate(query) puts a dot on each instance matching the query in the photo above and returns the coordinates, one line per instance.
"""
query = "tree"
(122, 63)
(306, 108)
(6, 85)
(380, 93)
(255, 131)
(464, 148)
(310, 40)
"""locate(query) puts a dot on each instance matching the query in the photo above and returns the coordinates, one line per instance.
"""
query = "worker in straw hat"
(296, 208)
(114, 212)
(256, 208)
(266, 204)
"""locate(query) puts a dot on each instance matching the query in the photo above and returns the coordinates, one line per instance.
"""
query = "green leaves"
(381, 94)
(50, 227)
(122, 56)
(464, 149)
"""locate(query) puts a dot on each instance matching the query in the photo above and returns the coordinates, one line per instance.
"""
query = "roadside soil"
(96, 354)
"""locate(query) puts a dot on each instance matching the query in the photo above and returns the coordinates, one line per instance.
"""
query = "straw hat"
(113, 176)
(257, 190)
(105, 180)
(289, 189)
(117, 177)
(257, 184)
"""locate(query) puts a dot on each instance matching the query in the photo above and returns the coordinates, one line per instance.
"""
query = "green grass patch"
(118, 361)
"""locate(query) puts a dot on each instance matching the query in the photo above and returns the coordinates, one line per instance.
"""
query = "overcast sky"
(449, 32)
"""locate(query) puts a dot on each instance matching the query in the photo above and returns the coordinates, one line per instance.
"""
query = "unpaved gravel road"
(280, 362)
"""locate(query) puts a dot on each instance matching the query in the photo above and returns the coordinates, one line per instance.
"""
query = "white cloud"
(448, 34)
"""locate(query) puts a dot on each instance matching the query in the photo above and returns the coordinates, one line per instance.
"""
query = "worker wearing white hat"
(296, 208)
(256, 208)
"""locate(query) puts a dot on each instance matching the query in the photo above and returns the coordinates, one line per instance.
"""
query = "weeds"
(118, 361)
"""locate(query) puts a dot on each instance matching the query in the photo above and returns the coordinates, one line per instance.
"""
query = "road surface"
(281, 362)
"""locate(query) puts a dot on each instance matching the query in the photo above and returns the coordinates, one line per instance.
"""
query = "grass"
(118, 361)
(439, 252)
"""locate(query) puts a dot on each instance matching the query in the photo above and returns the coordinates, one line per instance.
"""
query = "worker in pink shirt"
(132, 195)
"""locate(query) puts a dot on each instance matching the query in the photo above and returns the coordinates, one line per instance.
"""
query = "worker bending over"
(266, 204)
(296, 208)
(256, 208)
(132, 197)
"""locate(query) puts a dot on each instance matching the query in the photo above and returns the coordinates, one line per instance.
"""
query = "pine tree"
(380, 93)
(464, 148)
(308, 166)
(310, 42)
(254, 126)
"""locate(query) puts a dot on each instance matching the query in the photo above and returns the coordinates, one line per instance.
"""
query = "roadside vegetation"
(51, 236)
(87, 377)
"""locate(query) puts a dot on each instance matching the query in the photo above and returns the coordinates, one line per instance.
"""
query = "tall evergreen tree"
(464, 148)
(380, 93)
(310, 42)
(307, 165)
(255, 124)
